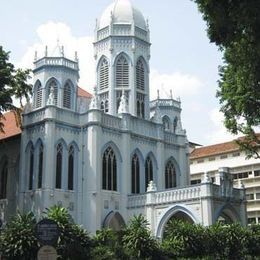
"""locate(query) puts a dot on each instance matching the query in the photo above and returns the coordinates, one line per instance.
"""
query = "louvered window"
(122, 73)
(104, 74)
(140, 74)
(67, 96)
(38, 95)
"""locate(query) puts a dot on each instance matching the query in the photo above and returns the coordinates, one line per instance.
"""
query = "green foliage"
(138, 241)
(108, 245)
(234, 27)
(17, 239)
(182, 239)
(253, 242)
(12, 83)
(74, 242)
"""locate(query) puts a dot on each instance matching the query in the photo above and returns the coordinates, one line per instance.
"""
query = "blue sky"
(182, 59)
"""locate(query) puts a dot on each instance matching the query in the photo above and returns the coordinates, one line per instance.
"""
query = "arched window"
(71, 168)
(148, 171)
(103, 74)
(140, 110)
(122, 73)
(135, 174)
(170, 175)
(67, 96)
(166, 123)
(140, 75)
(31, 165)
(40, 166)
(109, 170)
(59, 152)
(38, 95)
(106, 106)
(53, 84)
(3, 180)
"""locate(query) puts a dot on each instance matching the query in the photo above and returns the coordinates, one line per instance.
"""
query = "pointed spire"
(35, 56)
(158, 94)
(171, 94)
(94, 101)
(157, 114)
(76, 58)
(46, 51)
(123, 106)
(62, 51)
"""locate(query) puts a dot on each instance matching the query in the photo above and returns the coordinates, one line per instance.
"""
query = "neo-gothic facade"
(117, 154)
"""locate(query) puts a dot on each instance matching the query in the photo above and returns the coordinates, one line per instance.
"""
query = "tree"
(234, 27)
(74, 241)
(13, 83)
(17, 239)
(138, 241)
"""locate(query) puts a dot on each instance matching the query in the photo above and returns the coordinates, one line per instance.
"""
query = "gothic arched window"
(106, 106)
(103, 74)
(59, 153)
(122, 73)
(140, 75)
(53, 84)
(109, 170)
(67, 95)
(135, 172)
(148, 171)
(3, 180)
(140, 110)
(170, 175)
(40, 166)
(31, 166)
(71, 168)
(38, 95)
(166, 123)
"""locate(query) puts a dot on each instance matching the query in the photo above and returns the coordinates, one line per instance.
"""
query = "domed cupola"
(122, 53)
(122, 12)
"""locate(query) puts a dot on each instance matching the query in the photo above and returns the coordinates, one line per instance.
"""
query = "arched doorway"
(178, 212)
(226, 215)
(114, 221)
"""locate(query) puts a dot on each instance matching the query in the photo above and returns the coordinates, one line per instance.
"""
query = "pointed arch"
(62, 141)
(103, 72)
(140, 73)
(109, 170)
(37, 90)
(114, 220)
(227, 213)
(150, 169)
(171, 173)
(30, 166)
(52, 82)
(170, 212)
(114, 147)
(68, 93)
(166, 122)
(39, 147)
(122, 71)
(60, 147)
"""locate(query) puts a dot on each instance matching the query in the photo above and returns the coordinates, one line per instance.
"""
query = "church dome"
(123, 12)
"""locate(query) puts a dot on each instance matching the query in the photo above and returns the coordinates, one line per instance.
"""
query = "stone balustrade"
(165, 103)
(56, 61)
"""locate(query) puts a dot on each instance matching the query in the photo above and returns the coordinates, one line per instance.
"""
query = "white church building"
(112, 155)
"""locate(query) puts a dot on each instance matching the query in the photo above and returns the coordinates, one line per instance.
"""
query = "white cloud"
(48, 35)
(219, 134)
(181, 84)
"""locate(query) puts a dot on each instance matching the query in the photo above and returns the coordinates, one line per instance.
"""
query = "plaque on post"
(47, 232)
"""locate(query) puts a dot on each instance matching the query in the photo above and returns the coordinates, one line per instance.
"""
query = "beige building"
(246, 171)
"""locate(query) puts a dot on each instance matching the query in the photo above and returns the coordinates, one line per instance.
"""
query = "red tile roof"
(83, 93)
(10, 127)
(215, 149)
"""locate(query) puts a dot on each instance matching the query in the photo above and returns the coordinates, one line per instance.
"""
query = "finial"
(46, 51)
(147, 23)
(76, 56)
(111, 16)
(96, 23)
(35, 56)
(157, 114)
(158, 94)
(171, 94)
(62, 51)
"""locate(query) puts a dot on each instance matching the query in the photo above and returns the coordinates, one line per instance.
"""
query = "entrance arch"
(226, 214)
(114, 221)
(180, 212)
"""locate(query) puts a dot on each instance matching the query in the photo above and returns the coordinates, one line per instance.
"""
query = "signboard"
(47, 253)
(47, 232)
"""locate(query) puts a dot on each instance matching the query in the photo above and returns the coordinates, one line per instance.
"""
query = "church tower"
(122, 53)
